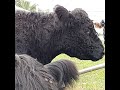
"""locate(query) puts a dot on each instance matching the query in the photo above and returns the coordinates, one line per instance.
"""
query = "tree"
(25, 5)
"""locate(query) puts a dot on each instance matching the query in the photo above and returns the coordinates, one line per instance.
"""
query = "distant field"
(94, 80)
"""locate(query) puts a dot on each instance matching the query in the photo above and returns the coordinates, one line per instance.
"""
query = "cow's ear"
(61, 12)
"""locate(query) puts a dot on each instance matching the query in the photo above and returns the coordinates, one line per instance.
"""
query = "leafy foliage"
(25, 5)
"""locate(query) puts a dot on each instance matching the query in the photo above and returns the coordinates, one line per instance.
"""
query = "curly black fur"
(32, 75)
(64, 72)
(44, 36)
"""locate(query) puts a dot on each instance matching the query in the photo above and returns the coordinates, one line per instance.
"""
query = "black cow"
(32, 75)
(44, 36)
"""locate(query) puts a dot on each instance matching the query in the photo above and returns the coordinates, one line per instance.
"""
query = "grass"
(94, 80)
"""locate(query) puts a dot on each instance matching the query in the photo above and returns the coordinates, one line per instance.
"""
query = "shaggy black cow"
(44, 36)
(32, 75)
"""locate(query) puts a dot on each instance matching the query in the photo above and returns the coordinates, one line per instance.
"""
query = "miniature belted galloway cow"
(46, 35)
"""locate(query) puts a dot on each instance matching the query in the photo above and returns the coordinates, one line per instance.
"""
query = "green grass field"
(94, 80)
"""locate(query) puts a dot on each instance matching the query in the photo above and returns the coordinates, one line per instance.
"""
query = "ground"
(94, 80)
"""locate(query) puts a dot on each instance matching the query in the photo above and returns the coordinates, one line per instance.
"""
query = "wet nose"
(103, 53)
(99, 57)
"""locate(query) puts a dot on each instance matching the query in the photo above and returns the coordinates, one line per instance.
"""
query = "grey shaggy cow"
(32, 75)
(46, 35)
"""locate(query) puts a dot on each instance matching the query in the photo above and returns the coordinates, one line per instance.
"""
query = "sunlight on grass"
(94, 80)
